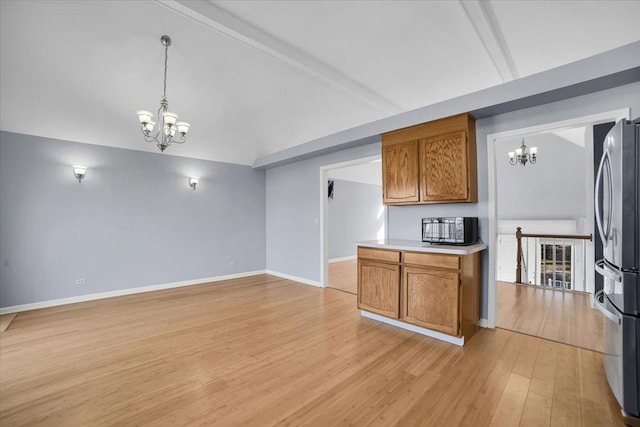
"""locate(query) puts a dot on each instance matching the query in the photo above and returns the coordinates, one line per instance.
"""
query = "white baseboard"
(413, 328)
(295, 278)
(592, 300)
(122, 292)
(483, 323)
(344, 258)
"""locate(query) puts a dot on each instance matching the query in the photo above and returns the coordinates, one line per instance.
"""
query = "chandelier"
(165, 135)
(521, 156)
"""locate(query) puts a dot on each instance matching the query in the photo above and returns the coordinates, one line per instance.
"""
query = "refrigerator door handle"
(605, 272)
(601, 307)
(610, 194)
(604, 235)
(597, 199)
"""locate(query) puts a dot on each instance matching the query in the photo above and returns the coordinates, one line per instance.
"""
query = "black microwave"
(451, 230)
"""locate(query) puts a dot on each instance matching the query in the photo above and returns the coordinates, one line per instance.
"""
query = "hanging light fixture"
(169, 126)
(522, 156)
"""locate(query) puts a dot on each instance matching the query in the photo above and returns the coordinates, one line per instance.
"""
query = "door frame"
(324, 213)
(587, 121)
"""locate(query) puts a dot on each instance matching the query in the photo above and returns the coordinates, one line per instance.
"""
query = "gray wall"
(133, 221)
(293, 245)
(355, 213)
(553, 188)
(293, 212)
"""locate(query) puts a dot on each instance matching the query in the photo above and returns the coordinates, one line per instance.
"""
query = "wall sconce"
(79, 172)
(193, 181)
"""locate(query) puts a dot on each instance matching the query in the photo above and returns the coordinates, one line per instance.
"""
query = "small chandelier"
(521, 155)
(166, 134)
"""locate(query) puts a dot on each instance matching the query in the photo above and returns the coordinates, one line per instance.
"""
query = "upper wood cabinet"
(400, 172)
(444, 169)
(433, 162)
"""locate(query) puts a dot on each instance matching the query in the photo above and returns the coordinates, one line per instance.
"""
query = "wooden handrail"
(520, 235)
(558, 236)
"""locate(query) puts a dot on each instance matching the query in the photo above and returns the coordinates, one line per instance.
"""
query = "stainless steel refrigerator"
(617, 210)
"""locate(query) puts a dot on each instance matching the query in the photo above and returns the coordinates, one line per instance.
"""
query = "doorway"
(545, 288)
(352, 211)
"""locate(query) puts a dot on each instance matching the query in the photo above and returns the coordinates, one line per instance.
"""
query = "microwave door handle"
(603, 309)
(597, 199)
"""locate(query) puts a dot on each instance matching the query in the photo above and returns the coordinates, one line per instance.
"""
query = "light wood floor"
(343, 275)
(566, 317)
(264, 350)
(5, 321)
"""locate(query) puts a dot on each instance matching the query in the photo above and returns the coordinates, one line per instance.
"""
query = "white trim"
(324, 214)
(413, 328)
(493, 237)
(492, 292)
(344, 258)
(483, 323)
(295, 278)
(484, 22)
(588, 225)
(122, 292)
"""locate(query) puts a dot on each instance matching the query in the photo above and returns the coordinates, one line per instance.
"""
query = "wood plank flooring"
(566, 317)
(267, 351)
(5, 321)
(343, 275)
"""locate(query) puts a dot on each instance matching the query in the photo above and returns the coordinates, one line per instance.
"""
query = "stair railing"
(522, 264)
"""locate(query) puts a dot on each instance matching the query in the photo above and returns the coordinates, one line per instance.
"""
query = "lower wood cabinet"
(431, 298)
(440, 292)
(379, 287)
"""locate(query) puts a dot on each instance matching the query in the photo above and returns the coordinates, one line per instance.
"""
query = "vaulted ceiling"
(257, 77)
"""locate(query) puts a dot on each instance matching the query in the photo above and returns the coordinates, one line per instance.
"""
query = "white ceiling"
(575, 136)
(256, 77)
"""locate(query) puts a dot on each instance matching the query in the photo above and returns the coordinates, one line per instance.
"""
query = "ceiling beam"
(488, 30)
(217, 19)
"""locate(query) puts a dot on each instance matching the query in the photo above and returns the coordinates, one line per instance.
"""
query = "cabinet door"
(431, 298)
(444, 170)
(400, 173)
(379, 288)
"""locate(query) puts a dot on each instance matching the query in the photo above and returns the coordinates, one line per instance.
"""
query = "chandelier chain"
(166, 55)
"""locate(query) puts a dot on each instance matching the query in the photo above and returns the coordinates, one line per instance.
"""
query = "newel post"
(519, 255)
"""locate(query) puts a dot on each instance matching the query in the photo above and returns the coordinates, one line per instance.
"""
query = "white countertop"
(418, 246)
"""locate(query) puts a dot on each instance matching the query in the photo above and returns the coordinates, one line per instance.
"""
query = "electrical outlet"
(82, 281)
(232, 263)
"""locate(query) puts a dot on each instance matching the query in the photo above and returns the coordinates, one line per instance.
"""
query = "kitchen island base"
(430, 289)
(413, 328)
